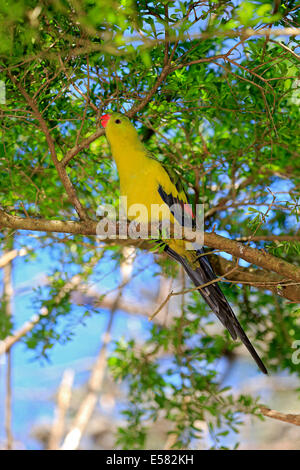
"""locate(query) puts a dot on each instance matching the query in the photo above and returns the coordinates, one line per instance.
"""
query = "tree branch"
(69, 286)
(9, 341)
(85, 143)
(95, 383)
(270, 238)
(287, 418)
(257, 278)
(88, 227)
(59, 167)
(63, 401)
(139, 106)
(135, 109)
(10, 255)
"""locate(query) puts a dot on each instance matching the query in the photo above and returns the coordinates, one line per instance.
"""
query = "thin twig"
(297, 56)
(59, 167)
(10, 340)
(69, 286)
(192, 289)
(270, 238)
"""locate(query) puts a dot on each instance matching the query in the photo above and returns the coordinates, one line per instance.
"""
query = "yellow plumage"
(140, 175)
(145, 181)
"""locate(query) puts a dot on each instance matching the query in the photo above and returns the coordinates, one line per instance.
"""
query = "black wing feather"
(204, 273)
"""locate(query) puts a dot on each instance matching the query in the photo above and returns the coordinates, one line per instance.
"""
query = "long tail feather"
(215, 298)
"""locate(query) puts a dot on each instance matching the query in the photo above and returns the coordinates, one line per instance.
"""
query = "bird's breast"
(142, 200)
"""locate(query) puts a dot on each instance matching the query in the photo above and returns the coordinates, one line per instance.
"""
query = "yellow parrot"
(146, 181)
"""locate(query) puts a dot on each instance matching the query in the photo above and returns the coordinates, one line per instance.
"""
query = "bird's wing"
(177, 199)
(200, 270)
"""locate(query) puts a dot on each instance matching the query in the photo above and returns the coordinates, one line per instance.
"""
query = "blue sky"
(36, 380)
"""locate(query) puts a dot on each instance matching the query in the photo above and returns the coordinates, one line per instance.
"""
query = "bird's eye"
(117, 121)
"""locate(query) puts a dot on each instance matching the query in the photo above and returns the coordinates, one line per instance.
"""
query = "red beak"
(104, 120)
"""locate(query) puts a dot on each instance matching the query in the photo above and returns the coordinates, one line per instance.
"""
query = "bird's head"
(118, 128)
